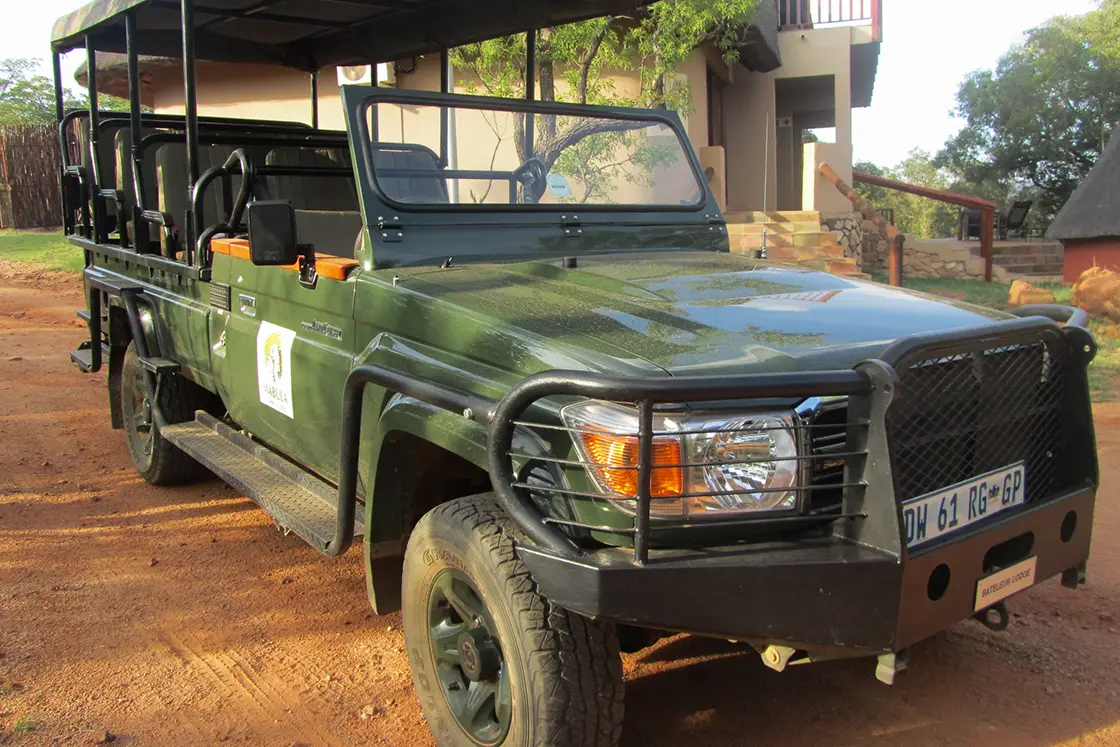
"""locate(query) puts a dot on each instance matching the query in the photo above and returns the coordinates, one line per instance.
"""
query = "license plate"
(953, 508)
(1002, 584)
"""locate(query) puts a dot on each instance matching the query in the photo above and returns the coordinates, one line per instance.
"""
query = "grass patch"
(25, 725)
(40, 250)
(1104, 372)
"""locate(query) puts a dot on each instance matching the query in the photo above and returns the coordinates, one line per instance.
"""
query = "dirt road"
(182, 617)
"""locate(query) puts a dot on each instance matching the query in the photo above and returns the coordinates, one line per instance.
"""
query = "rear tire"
(474, 622)
(157, 460)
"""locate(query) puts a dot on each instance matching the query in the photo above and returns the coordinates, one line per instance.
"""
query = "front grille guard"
(869, 513)
(646, 394)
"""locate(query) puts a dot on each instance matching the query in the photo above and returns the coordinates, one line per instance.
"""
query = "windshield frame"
(491, 103)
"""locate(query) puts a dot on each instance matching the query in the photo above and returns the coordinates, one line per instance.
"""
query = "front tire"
(157, 460)
(493, 661)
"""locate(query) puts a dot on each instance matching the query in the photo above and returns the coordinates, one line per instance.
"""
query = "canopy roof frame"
(312, 34)
(92, 27)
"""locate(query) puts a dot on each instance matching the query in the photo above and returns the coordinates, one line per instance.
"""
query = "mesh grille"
(959, 416)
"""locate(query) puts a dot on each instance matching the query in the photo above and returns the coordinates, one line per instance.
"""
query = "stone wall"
(848, 228)
(944, 258)
(876, 248)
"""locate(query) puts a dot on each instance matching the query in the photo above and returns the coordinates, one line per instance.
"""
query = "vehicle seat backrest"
(122, 141)
(106, 158)
(172, 177)
(321, 193)
(406, 188)
(330, 231)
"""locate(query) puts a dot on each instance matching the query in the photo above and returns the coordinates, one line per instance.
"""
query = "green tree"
(27, 97)
(921, 216)
(573, 62)
(879, 197)
(1041, 118)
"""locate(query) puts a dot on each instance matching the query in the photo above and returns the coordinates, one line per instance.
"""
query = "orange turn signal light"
(616, 458)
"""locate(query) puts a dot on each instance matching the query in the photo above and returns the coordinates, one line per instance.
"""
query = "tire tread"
(575, 661)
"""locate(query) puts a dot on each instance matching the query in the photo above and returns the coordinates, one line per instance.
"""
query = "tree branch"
(589, 59)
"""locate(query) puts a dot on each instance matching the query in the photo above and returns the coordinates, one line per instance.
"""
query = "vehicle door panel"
(287, 352)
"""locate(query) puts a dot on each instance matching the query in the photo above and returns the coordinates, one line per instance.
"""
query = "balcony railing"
(807, 14)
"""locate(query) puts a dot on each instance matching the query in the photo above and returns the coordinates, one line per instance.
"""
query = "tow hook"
(778, 657)
(889, 666)
(994, 617)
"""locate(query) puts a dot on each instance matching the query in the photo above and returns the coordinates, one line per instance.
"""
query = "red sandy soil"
(183, 617)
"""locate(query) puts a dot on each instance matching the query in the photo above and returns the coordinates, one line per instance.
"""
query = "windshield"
(475, 156)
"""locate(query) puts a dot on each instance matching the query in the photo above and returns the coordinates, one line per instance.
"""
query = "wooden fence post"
(987, 227)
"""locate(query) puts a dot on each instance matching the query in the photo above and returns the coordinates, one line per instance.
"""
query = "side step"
(299, 501)
(83, 356)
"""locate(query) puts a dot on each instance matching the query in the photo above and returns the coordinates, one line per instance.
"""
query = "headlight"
(748, 460)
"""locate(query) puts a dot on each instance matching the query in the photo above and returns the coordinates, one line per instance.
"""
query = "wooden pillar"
(895, 261)
(987, 224)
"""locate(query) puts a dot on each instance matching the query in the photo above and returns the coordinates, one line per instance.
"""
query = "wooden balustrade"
(987, 208)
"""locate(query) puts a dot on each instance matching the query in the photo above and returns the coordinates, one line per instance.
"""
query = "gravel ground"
(148, 616)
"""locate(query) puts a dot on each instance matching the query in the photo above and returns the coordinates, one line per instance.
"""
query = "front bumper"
(843, 579)
(816, 594)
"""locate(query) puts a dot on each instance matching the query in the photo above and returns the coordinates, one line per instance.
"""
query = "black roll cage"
(86, 193)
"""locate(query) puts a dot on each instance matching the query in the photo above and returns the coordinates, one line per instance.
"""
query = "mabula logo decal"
(274, 367)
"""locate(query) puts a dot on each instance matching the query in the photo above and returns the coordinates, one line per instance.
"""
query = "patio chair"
(1014, 219)
(968, 226)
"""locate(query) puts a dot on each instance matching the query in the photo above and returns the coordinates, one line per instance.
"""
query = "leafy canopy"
(580, 62)
(27, 96)
(921, 216)
(1044, 114)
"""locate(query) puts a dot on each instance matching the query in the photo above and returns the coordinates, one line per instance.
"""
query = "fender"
(394, 475)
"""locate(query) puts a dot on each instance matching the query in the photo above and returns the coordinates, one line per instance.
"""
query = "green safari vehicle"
(562, 417)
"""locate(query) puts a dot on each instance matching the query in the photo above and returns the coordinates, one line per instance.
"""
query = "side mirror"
(272, 233)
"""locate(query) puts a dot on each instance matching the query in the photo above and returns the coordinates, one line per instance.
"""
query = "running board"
(83, 356)
(299, 501)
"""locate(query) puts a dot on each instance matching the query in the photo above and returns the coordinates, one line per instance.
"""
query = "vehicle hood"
(700, 313)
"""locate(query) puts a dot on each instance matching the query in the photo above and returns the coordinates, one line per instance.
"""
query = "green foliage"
(27, 97)
(25, 725)
(600, 160)
(1042, 117)
(575, 63)
(921, 216)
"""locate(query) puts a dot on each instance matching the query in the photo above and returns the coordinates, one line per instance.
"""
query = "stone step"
(783, 253)
(845, 266)
(754, 241)
(772, 216)
(1027, 257)
(792, 253)
(1051, 269)
(757, 229)
(1045, 251)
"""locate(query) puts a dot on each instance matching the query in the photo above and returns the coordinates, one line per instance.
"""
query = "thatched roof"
(112, 74)
(1093, 210)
